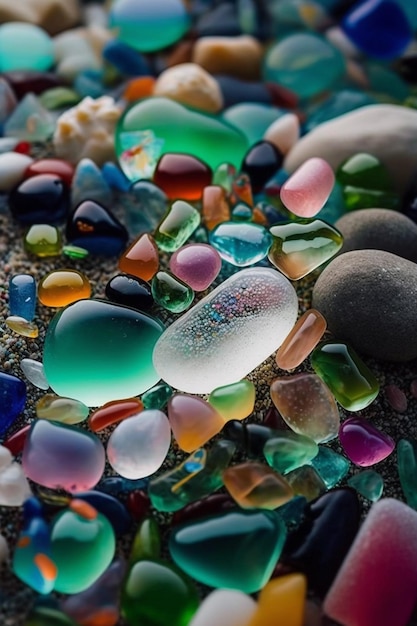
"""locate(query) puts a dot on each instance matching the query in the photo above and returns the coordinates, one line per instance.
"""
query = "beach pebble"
(388, 131)
(235, 56)
(284, 132)
(368, 299)
(52, 15)
(379, 229)
(12, 169)
(190, 84)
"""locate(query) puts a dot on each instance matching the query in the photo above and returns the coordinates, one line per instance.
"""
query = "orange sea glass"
(282, 601)
(255, 485)
(61, 287)
(193, 421)
(215, 206)
(141, 259)
(113, 412)
(302, 339)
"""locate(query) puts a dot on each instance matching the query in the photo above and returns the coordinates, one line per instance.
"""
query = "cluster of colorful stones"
(172, 127)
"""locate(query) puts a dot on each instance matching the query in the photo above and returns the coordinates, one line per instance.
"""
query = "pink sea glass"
(308, 189)
(197, 264)
(193, 421)
(60, 456)
(364, 444)
(377, 582)
(302, 339)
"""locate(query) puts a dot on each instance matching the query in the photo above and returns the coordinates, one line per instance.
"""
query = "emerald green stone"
(147, 542)
(75, 252)
(156, 593)
(177, 226)
(233, 550)
(171, 293)
(357, 198)
(407, 469)
(331, 466)
(154, 126)
(369, 484)
(286, 451)
(157, 397)
(198, 476)
(351, 382)
(43, 240)
(58, 98)
(235, 401)
(48, 616)
(97, 351)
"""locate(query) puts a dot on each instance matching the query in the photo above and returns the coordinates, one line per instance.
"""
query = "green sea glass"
(177, 226)
(154, 126)
(48, 616)
(147, 542)
(235, 401)
(171, 293)
(407, 469)
(331, 466)
(43, 240)
(286, 451)
(157, 397)
(351, 382)
(252, 118)
(369, 484)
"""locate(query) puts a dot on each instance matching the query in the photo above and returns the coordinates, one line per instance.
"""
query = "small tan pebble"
(235, 56)
(191, 85)
(396, 398)
(52, 15)
(284, 132)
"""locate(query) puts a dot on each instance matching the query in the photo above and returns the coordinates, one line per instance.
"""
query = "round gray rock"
(369, 299)
(387, 131)
(379, 229)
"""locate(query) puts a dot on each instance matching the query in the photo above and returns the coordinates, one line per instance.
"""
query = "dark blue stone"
(110, 507)
(42, 199)
(130, 291)
(220, 21)
(379, 28)
(12, 400)
(114, 177)
(94, 228)
(261, 162)
(114, 485)
(125, 59)
(22, 296)
(236, 91)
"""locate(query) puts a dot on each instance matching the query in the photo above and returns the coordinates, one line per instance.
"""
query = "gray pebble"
(368, 298)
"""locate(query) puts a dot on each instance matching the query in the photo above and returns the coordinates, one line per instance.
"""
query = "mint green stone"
(59, 98)
(25, 47)
(75, 252)
(177, 226)
(156, 593)
(171, 293)
(351, 381)
(154, 126)
(30, 121)
(147, 542)
(157, 397)
(233, 550)
(81, 548)
(331, 466)
(97, 351)
(48, 616)
(286, 451)
(407, 469)
(252, 119)
(198, 476)
(369, 484)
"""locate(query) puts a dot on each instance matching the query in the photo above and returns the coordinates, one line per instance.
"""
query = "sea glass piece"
(141, 259)
(30, 121)
(43, 240)
(256, 486)
(147, 542)
(369, 484)
(305, 63)
(22, 296)
(33, 370)
(215, 209)
(380, 565)
(146, 583)
(363, 443)
(285, 450)
(21, 326)
(307, 190)
(252, 118)
(301, 340)
(100, 602)
(74, 366)
(13, 399)
(36, 54)
(208, 346)
(351, 382)
(113, 412)
(225, 607)
(331, 466)
(75, 252)
(83, 545)
(300, 246)
(145, 205)
(61, 456)
(62, 287)
(193, 421)
(14, 488)
(235, 401)
(241, 244)
(58, 409)
(197, 264)
(260, 163)
(199, 475)
(177, 226)
(282, 599)
(157, 397)
(182, 176)
(307, 405)
(42, 199)
(156, 126)
(130, 291)
(206, 549)
(138, 446)
(407, 469)
(94, 228)
(147, 28)
(318, 546)
(89, 183)
(307, 482)
(171, 293)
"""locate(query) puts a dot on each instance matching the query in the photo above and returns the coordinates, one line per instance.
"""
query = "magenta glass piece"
(197, 264)
(308, 189)
(377, 582)
(364, 444)
(60, 456)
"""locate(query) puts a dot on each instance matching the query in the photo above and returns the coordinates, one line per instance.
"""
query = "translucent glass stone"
(228, 333)
(139, 444)
(285, 450)
(22, 296)
(197, 264)
(363, 443)
(64, 410)
(36, 54)
(331, 466)
(241, 244)
(256, 486)
(302, 339)
(308, 188)
(234, 402)
(22, 327)
(407, 469)
(193, 421)
(43, 240)
(369, 484)
(30, 121)
(177, 226)
(171, 293)
(62, 287)
(34, 372)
